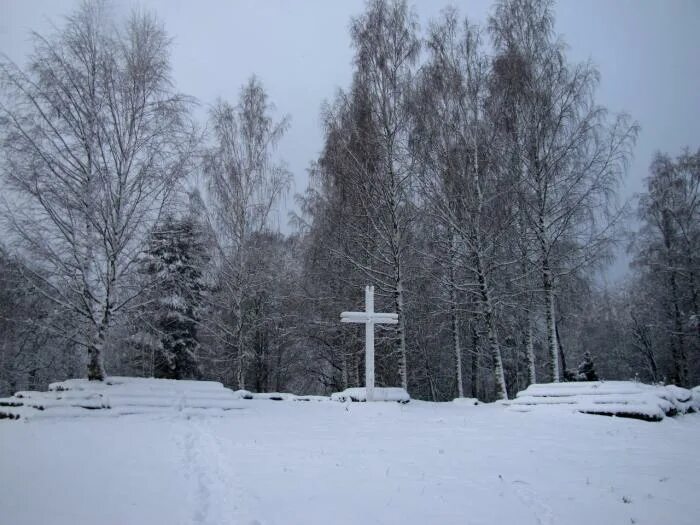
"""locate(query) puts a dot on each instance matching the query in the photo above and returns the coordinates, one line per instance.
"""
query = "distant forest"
(466, 172)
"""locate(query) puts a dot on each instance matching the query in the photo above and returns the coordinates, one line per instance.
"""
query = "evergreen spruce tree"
(174, 261)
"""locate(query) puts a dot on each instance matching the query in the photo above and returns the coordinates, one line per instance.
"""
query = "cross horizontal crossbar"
(365, 315)
(375, 319)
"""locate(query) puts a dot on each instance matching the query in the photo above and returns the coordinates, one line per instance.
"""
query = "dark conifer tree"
(174, 261)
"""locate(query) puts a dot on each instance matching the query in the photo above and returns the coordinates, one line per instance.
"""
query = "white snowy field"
(332, 463)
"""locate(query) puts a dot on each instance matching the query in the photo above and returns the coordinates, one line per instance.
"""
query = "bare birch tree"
(455, 174)
(572, 155)
(244, 184)
(668, 245)
(386, 48)
(94, 142)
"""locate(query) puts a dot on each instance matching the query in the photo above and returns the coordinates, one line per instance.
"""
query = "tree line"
(467, 172)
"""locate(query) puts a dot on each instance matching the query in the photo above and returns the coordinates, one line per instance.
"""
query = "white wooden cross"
(370, 318)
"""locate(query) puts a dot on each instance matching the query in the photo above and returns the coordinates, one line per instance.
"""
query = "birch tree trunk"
(475, 362)
(530, 349)
(401, 333)
(457, 349)
(240, 345)
(550, 319)
(398, 245)
(454, 317)
(494, 346)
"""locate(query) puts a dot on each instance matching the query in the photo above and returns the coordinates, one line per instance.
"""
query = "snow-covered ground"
(281, 462)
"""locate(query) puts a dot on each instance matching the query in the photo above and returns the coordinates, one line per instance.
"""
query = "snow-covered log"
(380, 394)
(610, 398)
(121, 395)
(466, 401)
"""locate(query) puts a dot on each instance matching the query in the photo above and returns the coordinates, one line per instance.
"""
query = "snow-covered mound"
(311, 398)
(244, 394)
(284, 396)
(466, 401)
(120, 395)
(380, 394)
(274, 396)
(611, 398)
(132, 395)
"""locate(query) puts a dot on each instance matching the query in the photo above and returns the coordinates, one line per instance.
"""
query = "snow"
(134, 384)
(311, 398)
(619, 398)
(275, 396)
(466, 401)
(281, 396)
(380, 394)
(273, 463)
(243, 394)
(121, 395)
(118, 396)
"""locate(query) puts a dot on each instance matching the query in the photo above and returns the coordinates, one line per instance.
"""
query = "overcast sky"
(648, 53)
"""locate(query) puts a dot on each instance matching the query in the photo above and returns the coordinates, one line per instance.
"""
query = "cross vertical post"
(369, 343)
